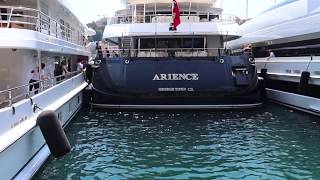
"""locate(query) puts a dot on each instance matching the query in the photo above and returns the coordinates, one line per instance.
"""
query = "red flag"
(175, 14)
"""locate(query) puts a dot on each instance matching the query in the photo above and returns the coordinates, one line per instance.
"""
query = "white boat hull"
(22, 147)
(290, 68)
(302, 103)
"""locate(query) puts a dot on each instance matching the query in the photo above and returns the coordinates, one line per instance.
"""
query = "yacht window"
(163, 43)
(147, 43)
(68, 31)
(198, 42)
(3, 11)
(192, 42)
(187, 43)
(62, 28)
(172, 43)
(297, 48)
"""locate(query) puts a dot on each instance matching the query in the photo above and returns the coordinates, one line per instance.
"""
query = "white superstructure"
(291, 30)
(34, 32)
(142, 21)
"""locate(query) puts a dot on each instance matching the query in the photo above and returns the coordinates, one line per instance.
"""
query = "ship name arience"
(176, 77)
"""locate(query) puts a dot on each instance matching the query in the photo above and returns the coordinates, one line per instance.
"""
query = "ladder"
(139, 13)
(126, 45)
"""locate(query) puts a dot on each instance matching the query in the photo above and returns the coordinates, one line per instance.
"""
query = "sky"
(91, 10)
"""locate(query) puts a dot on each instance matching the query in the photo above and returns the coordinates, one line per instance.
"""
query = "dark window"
(4, 11)
(147, 43)
(187, 43)
(298, 48)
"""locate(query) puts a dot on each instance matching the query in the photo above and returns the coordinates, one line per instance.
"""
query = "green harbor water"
(271, 142)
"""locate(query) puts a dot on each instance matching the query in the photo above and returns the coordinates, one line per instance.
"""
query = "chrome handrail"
(156, 18)
(169, 52)
(9, 96)
(35, 20)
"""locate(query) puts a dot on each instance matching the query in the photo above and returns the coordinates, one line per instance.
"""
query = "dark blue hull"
(197, 82)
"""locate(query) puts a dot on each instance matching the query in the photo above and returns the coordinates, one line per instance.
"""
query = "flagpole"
(156, 27)
(247, 9)
(189, 10)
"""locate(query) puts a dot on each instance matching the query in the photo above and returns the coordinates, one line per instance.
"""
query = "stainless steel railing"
(167, 18)
(35, 20)
(16, 94)
(170, 52)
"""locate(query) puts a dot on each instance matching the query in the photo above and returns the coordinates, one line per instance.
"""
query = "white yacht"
(32, 33)
(290, 30)
(151, 64)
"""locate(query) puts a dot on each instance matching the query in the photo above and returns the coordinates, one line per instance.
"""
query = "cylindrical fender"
(264, 73)
(304, 83)
(53, 133)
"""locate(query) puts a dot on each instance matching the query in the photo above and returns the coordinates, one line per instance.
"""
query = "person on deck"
(79, 65)
(247, 50)
(107, 53)
(99, 51)
(37, 74)
(58, 71)
(114, 54)
(64, 67)
(271, 55)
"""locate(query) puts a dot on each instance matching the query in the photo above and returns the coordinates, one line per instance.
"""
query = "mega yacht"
(163, 54)
(290, 32)
(33, 35)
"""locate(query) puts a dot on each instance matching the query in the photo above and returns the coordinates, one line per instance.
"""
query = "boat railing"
(170, 52)
(167, 18)
(16, 94)
(35, 20)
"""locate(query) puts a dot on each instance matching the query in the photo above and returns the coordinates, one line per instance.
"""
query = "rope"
(35, 107)
(309, 62)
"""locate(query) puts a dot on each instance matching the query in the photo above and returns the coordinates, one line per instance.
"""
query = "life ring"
(127, 61)
(251, 60)
(221, 61)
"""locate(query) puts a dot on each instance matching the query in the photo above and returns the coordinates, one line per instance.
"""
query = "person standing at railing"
(271, 55)
(99, 50)
(247, 50)
(79, 65)
(114, 54)
(37, 73)
(58, 71)
(64, 67)
(107, 53)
